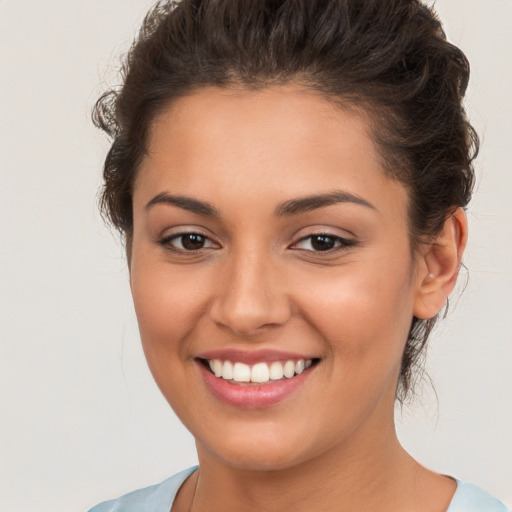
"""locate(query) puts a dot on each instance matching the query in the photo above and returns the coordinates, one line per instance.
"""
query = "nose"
(250, 295)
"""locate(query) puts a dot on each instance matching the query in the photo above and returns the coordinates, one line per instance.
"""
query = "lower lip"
(253, 396)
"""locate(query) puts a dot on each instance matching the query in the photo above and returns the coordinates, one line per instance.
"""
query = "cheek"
(167, 307)
(364, 316)
(164, 296)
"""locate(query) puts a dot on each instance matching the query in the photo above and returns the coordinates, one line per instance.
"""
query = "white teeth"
(241, 372)
(216, 367)
(258, 373)
(227, 370)
(276, 371)
(289, 369)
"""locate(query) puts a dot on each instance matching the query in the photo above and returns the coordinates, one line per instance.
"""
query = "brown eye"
(322, 242)
(188, 242)
(192, 241)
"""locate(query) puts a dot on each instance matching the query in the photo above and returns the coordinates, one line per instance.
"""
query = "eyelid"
(165, 241)
(341, 243)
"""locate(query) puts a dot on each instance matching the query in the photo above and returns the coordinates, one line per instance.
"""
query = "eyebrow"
(186, 203)
(288, 208)
(309, 203)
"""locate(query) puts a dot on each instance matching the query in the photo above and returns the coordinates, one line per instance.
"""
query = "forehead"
(209, 114)
(282, 142)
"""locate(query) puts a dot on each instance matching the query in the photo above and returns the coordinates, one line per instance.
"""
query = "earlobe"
(441, 262)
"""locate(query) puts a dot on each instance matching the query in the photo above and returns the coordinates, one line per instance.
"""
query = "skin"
(258, 283)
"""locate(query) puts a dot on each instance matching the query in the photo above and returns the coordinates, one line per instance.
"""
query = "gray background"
(81, 419)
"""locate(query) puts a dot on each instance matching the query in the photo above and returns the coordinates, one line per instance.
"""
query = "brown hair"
(390, 58)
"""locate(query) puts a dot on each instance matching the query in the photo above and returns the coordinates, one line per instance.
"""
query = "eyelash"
(167, 242)
(341, 244)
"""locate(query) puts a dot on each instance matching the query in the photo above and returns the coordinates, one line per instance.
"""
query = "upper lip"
(252, 356)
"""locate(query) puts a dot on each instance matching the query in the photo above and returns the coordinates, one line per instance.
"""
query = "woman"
(290, 178)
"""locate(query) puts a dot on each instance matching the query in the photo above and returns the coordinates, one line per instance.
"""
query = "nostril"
(246, 314)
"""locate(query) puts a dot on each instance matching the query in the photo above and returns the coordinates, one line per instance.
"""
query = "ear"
(439, 266)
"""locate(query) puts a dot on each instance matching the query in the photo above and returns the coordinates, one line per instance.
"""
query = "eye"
(188, 242)
(322, 243)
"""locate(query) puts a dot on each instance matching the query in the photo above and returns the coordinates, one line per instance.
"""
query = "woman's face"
(267, 237)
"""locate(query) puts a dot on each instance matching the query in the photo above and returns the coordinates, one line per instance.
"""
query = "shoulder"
(470, 498)
(156, 498)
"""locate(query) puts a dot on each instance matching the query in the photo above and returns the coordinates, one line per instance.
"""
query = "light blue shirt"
(160, 497)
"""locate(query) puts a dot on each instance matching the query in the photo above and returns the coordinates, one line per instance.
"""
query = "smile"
(253, 380)
(258, 373)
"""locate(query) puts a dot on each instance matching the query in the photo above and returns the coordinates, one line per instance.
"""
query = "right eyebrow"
(184, 202)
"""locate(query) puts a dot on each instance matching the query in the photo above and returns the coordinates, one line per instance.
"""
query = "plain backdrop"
(80, 417)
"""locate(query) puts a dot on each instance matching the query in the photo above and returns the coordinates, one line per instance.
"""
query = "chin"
(259, 449)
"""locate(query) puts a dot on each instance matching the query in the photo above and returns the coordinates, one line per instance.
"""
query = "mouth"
(255, 383)
(257, 378)
(237, 372)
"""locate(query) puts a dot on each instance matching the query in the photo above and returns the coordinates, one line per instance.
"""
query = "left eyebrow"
(309, 203)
